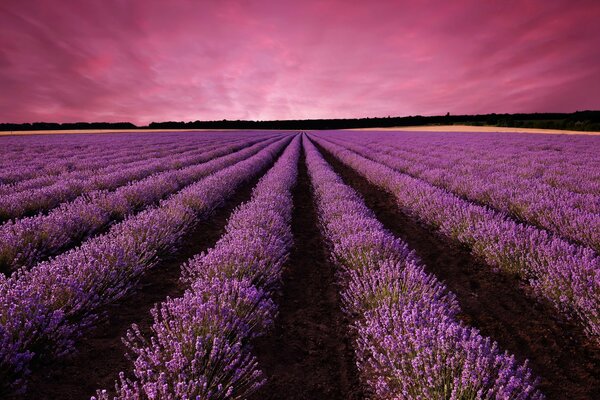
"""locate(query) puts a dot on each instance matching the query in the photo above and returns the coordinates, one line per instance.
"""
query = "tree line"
(579, 121)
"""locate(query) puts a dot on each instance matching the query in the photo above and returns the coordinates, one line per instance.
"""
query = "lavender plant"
(199, 343)
(44, 310)
(565, 274)
(409, 343)
(502, 183)
(27, 241)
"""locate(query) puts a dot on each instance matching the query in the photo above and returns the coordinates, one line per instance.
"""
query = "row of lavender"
(67, 188)
(565, 274)
(85, 171)
(492, 179)
(86, 167)
(553, 164)
(28, 157)
(103, 161)
(566, 163)
(199, 345)
(562, 161)
(28, 240)
(44, 310)
(27, 148)
(409, 343)
(45, 156)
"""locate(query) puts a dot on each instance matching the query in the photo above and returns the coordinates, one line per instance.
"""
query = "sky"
(147, 60)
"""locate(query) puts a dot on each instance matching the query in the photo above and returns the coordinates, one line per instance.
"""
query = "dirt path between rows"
(308, 355)
(497, 304)
(102, 354)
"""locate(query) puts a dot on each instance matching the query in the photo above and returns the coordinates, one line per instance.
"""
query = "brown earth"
(102, 354)
(308, 355)
(500, 306)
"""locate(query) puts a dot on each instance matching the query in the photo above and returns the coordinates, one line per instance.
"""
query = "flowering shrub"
(45, 309)
(565, 274)
(199, 343)
(409, 344)
(24, 242)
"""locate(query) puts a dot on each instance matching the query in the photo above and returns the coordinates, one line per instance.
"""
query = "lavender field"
(290, 265)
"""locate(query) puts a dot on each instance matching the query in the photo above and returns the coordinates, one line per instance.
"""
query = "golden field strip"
(426, 128)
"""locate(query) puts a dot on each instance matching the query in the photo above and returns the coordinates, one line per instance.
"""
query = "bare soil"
(309, 354)
(499, 305)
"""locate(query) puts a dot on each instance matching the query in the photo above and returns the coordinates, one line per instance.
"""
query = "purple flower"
(409, 343)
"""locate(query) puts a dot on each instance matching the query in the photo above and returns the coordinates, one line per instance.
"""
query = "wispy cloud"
(147, 60)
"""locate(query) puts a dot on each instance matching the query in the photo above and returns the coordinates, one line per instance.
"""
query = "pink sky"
(145, 60)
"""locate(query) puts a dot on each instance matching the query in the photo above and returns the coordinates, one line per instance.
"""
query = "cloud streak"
(146, 60)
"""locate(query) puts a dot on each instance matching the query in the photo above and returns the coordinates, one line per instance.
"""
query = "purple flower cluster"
(70, 186)
(485, 179)
(26, 241)
(199, 345)
(45, 309)
(409, 345)
(25, 160)
(87, 168)
(565, 274)
(564, 162)
(31, 158)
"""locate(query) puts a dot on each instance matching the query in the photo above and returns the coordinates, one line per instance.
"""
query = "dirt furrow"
(501, 306)
(308, 355)
(102, 355)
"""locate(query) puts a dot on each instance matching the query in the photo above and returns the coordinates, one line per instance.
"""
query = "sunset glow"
(144, 61)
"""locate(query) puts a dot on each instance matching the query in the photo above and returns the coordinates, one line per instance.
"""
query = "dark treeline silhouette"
(47, 126)
(580, 121)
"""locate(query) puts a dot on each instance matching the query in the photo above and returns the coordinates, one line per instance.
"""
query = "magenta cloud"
(142, 60)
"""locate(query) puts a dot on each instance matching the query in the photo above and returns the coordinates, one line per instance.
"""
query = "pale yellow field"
(470, 128)
(426, 128)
